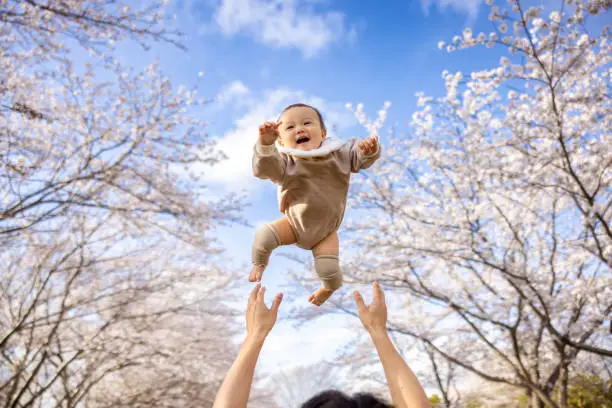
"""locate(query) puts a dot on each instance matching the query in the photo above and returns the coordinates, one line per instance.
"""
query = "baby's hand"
(268, 132)
(369, 146)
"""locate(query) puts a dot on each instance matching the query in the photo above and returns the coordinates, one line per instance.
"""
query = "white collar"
(330, 144)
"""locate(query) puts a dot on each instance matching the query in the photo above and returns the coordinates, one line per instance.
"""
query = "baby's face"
(301, 129)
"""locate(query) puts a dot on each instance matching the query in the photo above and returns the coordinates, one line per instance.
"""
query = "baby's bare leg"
(268, 238)
(327, 267)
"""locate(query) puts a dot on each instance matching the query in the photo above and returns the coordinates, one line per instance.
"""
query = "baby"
(313, 173)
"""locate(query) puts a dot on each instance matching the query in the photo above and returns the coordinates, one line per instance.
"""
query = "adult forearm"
(236, 387)
(406, 391)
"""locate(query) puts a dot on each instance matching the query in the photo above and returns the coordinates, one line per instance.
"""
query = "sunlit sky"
(253, 57)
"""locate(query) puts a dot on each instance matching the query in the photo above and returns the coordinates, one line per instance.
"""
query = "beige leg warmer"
(266, 240)
(328, 269)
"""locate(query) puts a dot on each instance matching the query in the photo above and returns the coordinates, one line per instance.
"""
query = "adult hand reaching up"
(405, 389)
(259, 318)
(236, 387)
(373, 317)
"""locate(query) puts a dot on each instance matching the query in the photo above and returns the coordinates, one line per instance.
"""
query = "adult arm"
(406, 391)
(236, 387)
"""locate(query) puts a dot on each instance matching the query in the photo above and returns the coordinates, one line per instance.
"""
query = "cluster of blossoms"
(367, 123)
(495, 210)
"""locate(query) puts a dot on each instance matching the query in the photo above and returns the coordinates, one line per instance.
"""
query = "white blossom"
(555, 16)
(372, 128)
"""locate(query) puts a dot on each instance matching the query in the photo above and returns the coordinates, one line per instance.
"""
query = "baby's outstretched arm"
(267, 162)
(364, 153)
(369, 146)
(268, 133)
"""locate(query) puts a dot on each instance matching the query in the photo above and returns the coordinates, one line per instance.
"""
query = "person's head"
(337, 399)
(301, 127)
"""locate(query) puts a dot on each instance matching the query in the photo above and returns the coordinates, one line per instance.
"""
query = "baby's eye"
(289, 127)
(307, 123)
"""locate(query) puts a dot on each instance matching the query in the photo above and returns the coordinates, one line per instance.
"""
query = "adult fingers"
(276, 303)
(254, 292)
(361, 307)
(378, 294)
(260, 295)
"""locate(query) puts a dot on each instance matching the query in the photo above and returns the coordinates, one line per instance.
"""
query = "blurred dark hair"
(337, 399)
(303, 105)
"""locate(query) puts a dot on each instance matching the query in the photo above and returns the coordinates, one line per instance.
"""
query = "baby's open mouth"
(303, 139)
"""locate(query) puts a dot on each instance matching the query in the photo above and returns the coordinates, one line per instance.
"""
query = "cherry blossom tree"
(109, 286)
(295, 385)
(492, 220)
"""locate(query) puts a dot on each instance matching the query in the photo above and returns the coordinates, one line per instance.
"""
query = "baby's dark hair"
(337, 399)
(303, 105)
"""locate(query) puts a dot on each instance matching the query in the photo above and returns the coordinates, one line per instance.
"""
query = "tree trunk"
(563, 379)
(536, 402)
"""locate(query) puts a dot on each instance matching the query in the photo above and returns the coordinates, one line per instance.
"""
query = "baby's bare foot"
(320, 295)
(256, 273)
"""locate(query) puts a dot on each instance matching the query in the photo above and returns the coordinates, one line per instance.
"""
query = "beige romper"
(312, 190)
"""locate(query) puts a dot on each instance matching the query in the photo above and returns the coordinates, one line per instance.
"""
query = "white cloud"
(237, 143)
(469, 7)
(233, 91)
(282, 23)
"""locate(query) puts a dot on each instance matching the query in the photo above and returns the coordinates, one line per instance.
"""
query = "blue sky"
(329, 53)
(253, 57)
